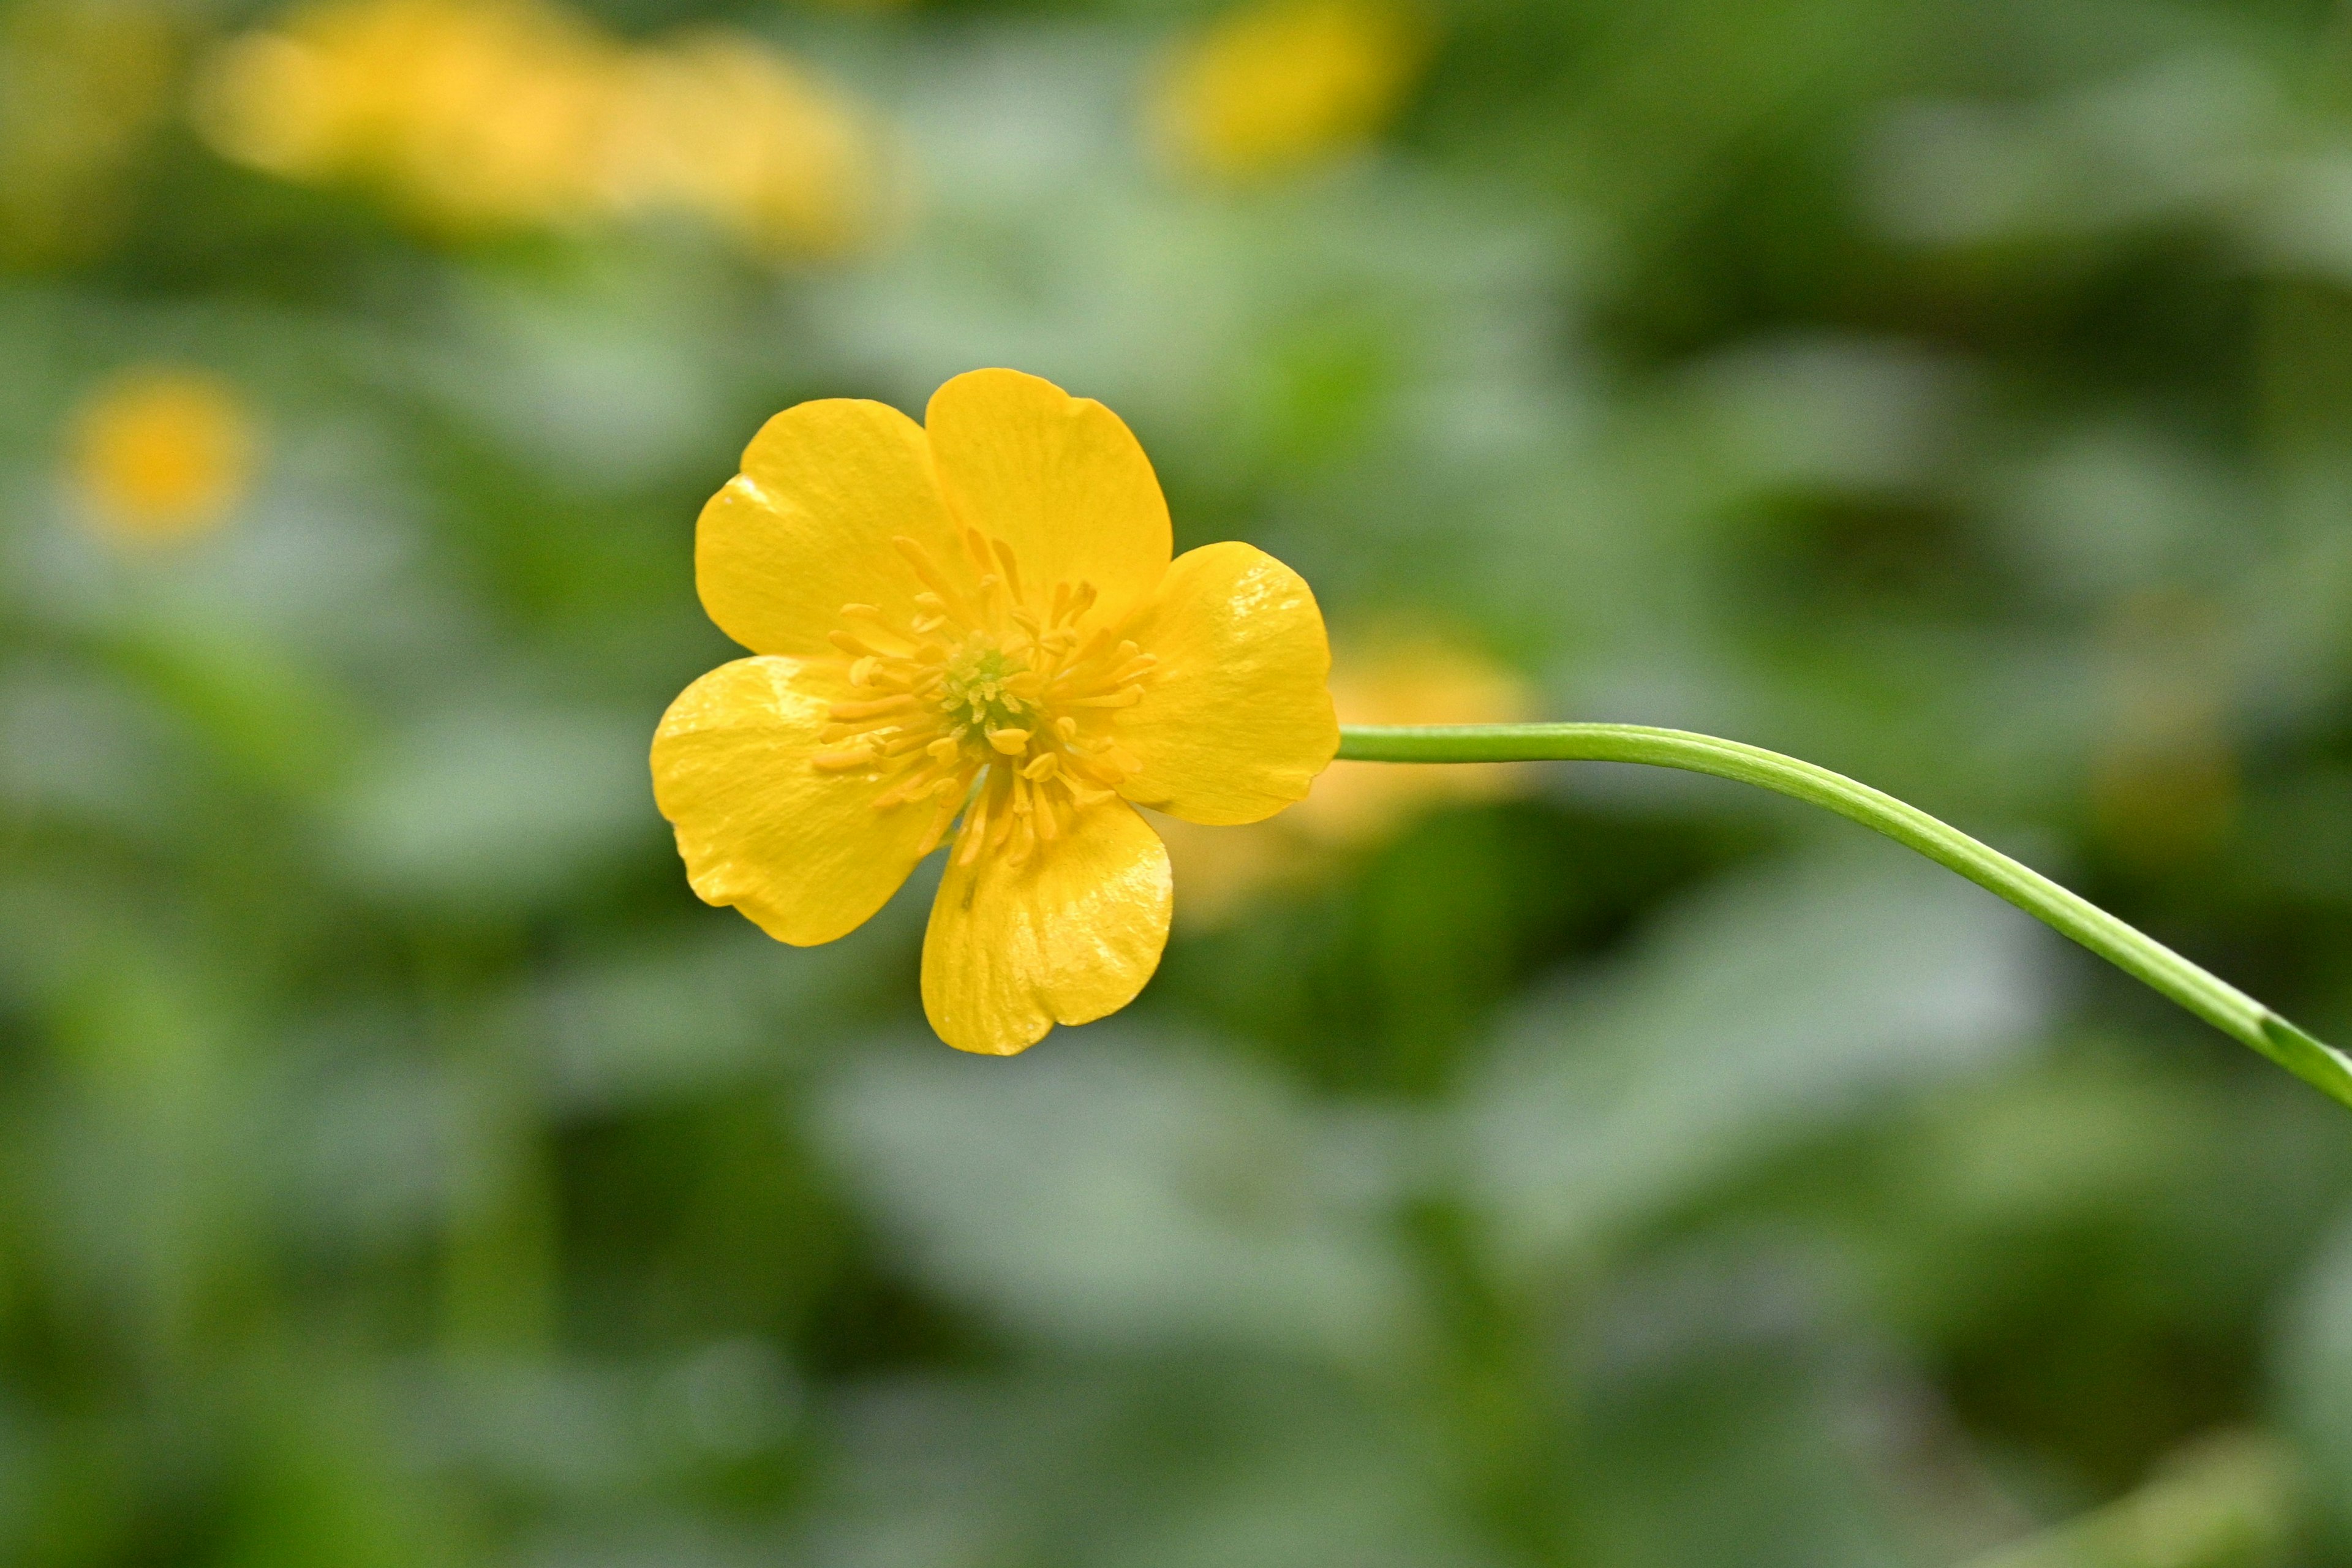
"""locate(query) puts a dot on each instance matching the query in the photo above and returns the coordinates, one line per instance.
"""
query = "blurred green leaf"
(1764, 1013)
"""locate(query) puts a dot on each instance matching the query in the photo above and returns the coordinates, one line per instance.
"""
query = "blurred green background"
(398, 1165)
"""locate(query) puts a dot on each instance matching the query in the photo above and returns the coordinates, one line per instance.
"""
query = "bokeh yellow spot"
(1273, 88)
(1419, 680)
(721, 127)
(161, 455)
(489, 115)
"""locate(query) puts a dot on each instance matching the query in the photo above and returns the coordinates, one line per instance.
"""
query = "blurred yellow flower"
(721, 127)
(1413, 680)
(1277, 86)
(160, 455)
(476, 113)
(81, 83)
(487, 114)
(978, 617)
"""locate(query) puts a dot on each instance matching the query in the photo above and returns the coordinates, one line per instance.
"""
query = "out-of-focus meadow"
(398, 1165)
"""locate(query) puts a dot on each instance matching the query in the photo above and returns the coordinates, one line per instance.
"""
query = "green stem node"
(2216, 1001)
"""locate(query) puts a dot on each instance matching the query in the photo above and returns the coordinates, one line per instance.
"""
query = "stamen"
(940, 819)
(878, 630)
(979, 704)
(874, 710)
(975, 829)
(975, 545)
(949, 600)
(1011, 571)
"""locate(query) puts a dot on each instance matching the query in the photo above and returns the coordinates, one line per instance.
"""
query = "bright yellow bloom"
(1278, 86)
(1416, 680)
(977, 618)
(161, 455)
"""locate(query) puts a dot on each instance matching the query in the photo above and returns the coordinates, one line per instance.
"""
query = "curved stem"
(2216, 1001)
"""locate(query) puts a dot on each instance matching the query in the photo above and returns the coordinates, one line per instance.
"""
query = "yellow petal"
(806, 527)
(1067, 936)
(1058, 477)
(798, 848)
(1236, 720)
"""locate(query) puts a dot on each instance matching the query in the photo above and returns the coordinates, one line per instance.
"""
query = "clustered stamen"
(990, 701)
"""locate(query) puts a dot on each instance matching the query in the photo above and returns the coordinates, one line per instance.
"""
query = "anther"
(928, 574)
(975, 829)
(874, 710)
(1012, 572)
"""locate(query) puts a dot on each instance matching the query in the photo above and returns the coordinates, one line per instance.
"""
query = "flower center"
(973, 691)
(995, 700)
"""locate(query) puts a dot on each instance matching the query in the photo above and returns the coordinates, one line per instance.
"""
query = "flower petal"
(806, 527)
(1067, 936)
(1236, 720)
(800, 850)
(1060, 479)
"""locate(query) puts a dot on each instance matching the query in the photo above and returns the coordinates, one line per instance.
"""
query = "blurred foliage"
(398, 1165)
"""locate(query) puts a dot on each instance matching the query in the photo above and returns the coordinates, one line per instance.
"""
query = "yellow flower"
(1416, 680)
(1278, 86)
(977, 616)
(161, 455)
(721, 126)
(486, 114)
(476, 113)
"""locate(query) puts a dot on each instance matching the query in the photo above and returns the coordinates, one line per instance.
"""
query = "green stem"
(2216, 1001)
